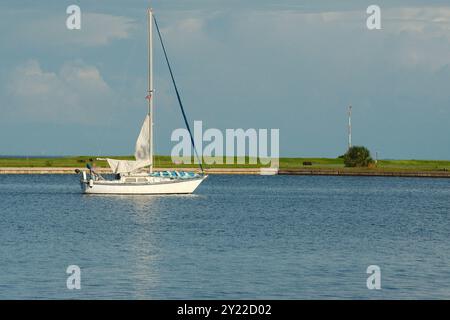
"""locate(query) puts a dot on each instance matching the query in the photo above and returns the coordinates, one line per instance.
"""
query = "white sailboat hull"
(176, 186)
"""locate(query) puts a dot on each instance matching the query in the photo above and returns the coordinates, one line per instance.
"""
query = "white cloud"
(185, 31)
(100, 29)
(76, 93)
(190, 25)
(96, 30)
(422, 33)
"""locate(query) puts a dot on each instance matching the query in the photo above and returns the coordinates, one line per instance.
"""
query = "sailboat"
(137, 176)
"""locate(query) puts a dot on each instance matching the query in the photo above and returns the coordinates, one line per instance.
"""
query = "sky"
(289, 65)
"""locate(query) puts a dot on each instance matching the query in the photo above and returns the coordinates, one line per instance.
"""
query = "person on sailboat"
(93, 170)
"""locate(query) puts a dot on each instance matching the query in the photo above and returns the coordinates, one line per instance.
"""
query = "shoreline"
(244, 171)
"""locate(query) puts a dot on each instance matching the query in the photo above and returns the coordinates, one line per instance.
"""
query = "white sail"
(126, 166)
(142, 152)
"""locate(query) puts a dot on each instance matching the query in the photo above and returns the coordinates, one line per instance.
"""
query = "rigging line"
(178, 94)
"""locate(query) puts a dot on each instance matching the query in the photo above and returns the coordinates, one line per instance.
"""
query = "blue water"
(281, 237)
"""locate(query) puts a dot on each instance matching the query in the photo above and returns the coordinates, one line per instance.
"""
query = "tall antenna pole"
(150, 85)
(349, 127)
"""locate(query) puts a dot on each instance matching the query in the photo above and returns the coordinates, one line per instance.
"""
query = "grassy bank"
(285, 163)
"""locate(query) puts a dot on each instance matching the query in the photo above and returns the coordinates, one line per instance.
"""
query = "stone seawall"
(255, 171)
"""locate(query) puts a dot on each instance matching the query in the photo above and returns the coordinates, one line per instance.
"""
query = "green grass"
(382, 165)
(81, 161)
(285, 163)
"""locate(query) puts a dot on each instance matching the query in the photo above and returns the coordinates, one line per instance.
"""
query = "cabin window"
(130, 180)
(142, 180)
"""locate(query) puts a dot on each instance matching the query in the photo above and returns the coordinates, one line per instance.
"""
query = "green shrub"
(358, 156)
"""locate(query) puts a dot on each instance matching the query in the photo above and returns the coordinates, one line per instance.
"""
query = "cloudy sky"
(292, 65)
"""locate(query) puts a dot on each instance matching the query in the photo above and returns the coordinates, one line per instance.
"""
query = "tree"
(358, 156)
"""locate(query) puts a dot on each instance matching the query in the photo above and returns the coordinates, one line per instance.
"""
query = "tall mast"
(349, 127)
(150, 85)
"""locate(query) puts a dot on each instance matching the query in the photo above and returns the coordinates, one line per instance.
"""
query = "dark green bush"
(358, 156)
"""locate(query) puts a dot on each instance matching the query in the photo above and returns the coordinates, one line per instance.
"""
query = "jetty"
(247, 171)
(71, 170)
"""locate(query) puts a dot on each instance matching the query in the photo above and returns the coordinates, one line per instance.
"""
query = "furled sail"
(126, 166)
(142, 152)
